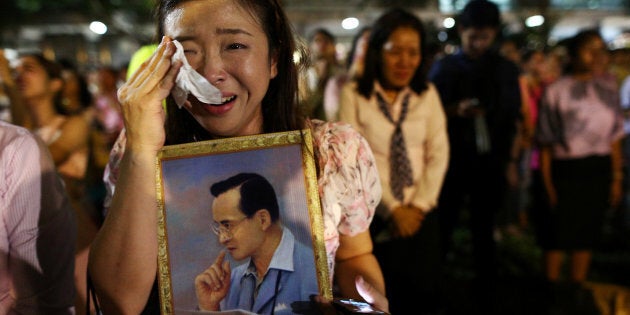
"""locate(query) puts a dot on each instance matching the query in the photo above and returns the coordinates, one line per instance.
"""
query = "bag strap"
(91, 295)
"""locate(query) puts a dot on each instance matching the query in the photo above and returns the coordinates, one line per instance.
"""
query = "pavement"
(520, 287)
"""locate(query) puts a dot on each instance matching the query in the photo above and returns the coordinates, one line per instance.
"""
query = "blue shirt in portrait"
(291, 277)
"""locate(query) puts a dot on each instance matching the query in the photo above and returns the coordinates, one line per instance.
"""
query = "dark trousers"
(478, 185)
(412, 268)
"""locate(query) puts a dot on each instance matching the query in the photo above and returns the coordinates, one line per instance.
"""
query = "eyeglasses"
(226, 227)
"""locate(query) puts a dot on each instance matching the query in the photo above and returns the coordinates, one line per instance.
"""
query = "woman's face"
(553, 69)
(592, 56)
(401, 58)
(71, 84)
(536, 64)
(321, 47)
(33, 81)
(226, 44)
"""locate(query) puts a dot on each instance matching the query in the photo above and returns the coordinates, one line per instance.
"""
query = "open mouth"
(225, 100)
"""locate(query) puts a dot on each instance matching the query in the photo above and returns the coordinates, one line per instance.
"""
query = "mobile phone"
(350, 306)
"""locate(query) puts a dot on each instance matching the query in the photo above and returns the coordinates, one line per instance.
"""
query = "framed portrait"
(240, 226)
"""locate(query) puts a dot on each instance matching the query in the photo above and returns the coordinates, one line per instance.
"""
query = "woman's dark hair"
(528, 54)
(381, 30)
(353, 47)
(575, 43)
(279, 106)
(85, 96)
(53, 71)
(324, 32)
(256, 193)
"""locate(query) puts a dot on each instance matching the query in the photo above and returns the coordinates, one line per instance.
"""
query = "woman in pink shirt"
(579, 132)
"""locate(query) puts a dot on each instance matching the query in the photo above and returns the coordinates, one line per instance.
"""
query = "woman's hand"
(406, 221)
(511, 174)
(616, 192)
(6, 77)
(368, 292)
(141, 99)
(371, 294)
(545, 171)
(552, 197)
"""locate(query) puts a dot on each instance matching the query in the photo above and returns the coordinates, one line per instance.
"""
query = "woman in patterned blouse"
(245, 49)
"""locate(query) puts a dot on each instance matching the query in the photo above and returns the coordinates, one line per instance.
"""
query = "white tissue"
(190, 81)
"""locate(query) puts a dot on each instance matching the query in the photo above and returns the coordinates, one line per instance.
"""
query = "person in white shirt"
(400, 115)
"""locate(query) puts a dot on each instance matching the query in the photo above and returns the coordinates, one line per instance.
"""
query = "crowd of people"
(518, 137)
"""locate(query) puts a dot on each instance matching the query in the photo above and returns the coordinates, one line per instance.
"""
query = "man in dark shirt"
(480, 93)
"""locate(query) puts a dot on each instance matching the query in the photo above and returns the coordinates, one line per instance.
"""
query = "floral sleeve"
(349, 185)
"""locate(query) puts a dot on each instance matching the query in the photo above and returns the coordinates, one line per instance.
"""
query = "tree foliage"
(37, 11)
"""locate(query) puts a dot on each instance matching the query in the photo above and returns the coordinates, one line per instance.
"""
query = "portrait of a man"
(240, 227)
(278, 270)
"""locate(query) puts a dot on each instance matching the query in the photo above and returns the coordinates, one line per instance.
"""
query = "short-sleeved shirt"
(348, 182)
(580, 118)
(37, 229)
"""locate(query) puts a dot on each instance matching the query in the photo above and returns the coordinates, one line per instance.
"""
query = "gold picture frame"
(187, 244)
